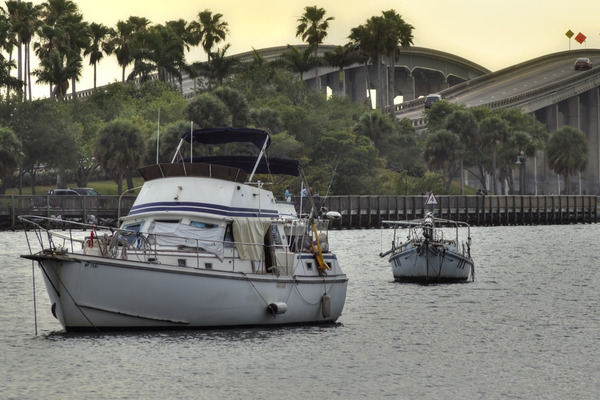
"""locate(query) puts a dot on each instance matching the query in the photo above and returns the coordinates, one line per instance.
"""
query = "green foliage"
(442, 150)
(236, 104)
(10, 153)
(207, 110)
(119, 149)
(49, 137)
(567, 152)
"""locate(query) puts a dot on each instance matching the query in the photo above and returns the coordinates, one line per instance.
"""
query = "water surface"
(528, 327)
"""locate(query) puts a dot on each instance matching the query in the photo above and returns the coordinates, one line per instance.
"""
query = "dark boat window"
(134, 227)
(228, 239)
(203, 225)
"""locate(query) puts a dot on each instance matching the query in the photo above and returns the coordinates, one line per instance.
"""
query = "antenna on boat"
(191, 141)
(333, 175)
(260, 155)
(181, 142)
(158, 136)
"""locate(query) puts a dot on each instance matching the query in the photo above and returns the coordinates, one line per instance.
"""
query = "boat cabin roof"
(228, 135)
(165, 170)
(231, 168)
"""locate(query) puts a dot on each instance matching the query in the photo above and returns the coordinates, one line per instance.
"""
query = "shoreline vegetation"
(347, 147)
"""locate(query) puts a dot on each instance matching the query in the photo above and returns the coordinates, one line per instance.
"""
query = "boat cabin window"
(276, 236)
(228, 239)
(203, 225)
(168, 221)
(133, 227)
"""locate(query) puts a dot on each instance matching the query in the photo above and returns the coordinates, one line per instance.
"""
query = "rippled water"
(528, 327)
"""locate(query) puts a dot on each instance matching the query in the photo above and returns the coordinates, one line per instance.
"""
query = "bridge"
(554, 93)
(546, 87)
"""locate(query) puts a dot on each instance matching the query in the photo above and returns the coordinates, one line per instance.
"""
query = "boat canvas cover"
(228, 135)
(249, 234)
(275, 166)
(170, 234)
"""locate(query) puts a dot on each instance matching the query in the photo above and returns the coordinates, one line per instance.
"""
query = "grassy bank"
(106, 188)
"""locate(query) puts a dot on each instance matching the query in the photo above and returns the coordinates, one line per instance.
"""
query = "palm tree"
(313, 30)
(567, 152)
(70, 36)
(158, 49)
(380, 36)
(65, 31)
(56, 70)
(99, 45)
(125, 40)
(494, 130)
(342, 57)
(211, 30)
(24, 20)
(299, 61)
(398, 33)
(375, 126)
(6, 79)
(441, 150)
(219, 68)
(187, 35)
(8, 40)
(464, 124)
(363, 40)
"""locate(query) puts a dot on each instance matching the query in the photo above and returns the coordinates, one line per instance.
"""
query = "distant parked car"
(62, 192)
(432, 98)
(583, 63)
(86, 191)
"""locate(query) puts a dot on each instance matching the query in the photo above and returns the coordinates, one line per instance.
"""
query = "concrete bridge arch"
(418, 71)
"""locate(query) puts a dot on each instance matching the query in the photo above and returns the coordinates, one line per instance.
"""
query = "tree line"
(63, 41)
(347, 148)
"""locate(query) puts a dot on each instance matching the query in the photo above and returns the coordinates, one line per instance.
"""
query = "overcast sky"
(494, 34)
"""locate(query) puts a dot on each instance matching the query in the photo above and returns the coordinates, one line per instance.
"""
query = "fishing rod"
(333, 175)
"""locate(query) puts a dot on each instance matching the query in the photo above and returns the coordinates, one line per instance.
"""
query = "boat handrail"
(117, 243)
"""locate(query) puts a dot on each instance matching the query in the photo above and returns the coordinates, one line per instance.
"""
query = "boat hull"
(93, 294)
(427, 263)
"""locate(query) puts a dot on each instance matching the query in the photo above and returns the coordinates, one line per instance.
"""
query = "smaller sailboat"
(433, 251)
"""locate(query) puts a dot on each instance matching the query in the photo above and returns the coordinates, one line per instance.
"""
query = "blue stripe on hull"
(202, 208)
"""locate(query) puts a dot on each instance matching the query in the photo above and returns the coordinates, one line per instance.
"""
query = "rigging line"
(302, 297)
(333, 174)
(34, 298)
(250, 281)
(33, 282)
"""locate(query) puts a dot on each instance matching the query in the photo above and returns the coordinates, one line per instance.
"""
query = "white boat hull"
(92, 293)
(425, 263)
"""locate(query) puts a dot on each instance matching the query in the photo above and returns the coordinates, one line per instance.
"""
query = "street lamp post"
(521, 160)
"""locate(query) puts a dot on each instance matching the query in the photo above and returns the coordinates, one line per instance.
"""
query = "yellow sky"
(494, 34)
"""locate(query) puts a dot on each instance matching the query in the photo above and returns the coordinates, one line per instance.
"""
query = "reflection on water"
(526, 328)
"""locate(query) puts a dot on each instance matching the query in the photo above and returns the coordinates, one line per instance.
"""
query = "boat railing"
(64, 236)
(433, 231)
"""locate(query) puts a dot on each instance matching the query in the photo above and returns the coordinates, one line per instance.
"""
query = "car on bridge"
(432, 98)
(583, 63)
